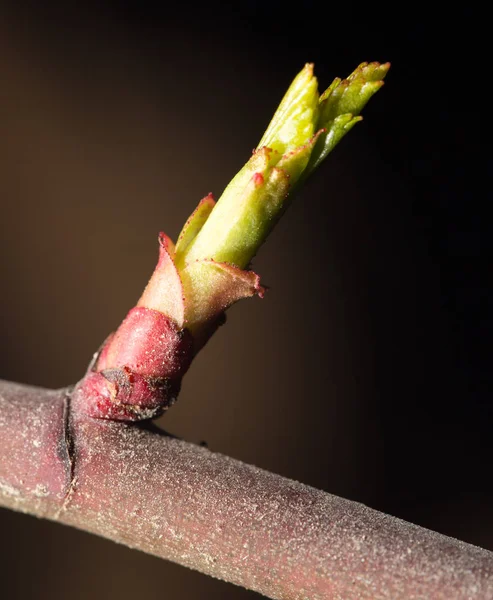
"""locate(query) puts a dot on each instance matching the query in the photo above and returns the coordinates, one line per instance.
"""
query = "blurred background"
(365, 371)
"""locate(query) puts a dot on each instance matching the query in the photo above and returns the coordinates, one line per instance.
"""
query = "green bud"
(304, 129)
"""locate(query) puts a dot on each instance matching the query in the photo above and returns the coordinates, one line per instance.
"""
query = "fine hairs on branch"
(90, 457)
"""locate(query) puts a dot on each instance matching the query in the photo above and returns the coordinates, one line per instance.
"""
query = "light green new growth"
(304, 129)
(295, 120)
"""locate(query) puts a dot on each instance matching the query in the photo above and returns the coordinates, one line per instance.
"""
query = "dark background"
(366, 369)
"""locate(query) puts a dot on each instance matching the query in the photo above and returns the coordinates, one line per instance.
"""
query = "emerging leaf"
(193, 225)
(304, 129)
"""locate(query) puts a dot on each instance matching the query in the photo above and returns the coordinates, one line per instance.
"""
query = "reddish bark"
(215, 514)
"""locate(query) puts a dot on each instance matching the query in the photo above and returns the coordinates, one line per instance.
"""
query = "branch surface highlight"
(215, 514)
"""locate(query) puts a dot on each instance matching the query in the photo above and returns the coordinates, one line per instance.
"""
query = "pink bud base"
(149, 343)
(138, 373)
(122, 395)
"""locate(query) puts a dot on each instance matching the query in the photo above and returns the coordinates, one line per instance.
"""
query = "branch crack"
(68, 454)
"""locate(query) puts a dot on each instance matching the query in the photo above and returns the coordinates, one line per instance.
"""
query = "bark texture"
(215, 514)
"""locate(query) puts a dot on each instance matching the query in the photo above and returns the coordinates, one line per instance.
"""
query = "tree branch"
(212, 513)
